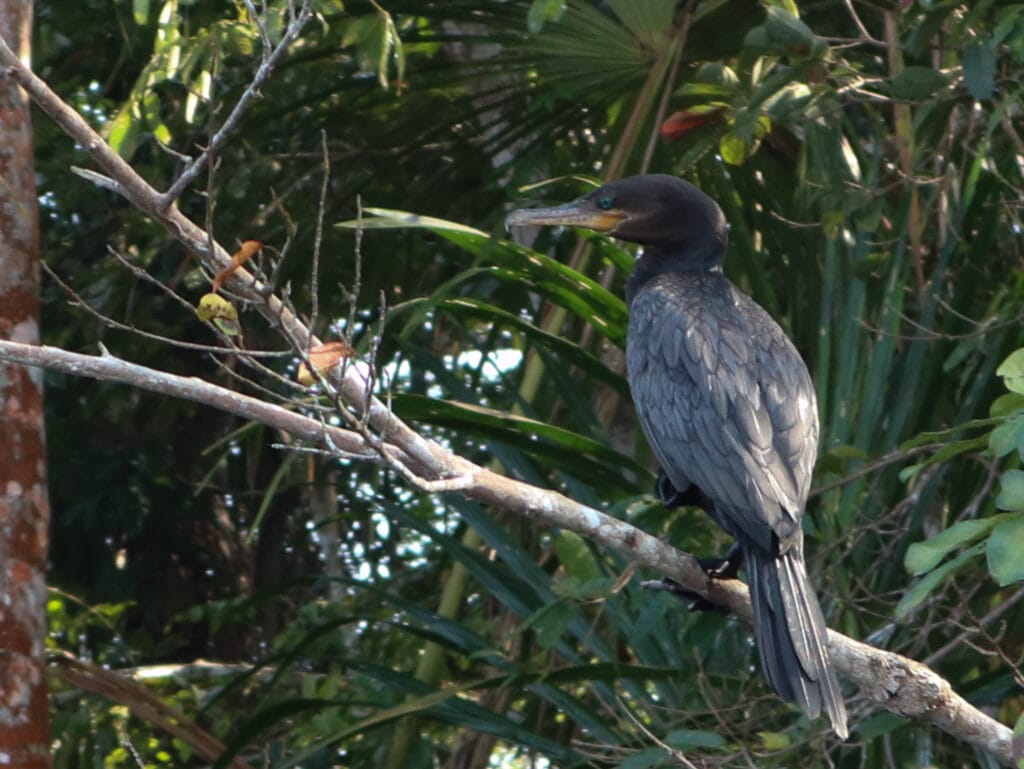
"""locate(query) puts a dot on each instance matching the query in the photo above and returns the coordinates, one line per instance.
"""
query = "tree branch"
(900, 685)
(142, 703)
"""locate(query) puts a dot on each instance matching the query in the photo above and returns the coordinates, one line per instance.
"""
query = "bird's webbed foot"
(715, 568)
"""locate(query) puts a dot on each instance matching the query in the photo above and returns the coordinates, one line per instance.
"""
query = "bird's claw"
(723, 568)
(693, 601)
(714, 568)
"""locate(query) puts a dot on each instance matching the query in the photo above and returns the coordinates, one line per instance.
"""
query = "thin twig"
(318, 235)
(266, 68)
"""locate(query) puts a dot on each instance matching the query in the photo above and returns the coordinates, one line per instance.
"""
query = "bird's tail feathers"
(792, 637)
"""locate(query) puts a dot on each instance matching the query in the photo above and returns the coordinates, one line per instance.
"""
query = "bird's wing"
(725, 402)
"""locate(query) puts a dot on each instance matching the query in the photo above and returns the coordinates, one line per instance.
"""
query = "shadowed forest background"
(307, 611)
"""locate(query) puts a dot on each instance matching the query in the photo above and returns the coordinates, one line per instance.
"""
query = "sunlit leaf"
(1012, 371)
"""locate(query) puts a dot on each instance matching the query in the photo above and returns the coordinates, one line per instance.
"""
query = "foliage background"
(869, 160)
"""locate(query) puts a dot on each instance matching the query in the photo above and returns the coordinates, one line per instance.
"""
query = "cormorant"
(728, 407)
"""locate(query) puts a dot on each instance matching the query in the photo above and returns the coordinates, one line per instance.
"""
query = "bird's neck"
(654, 262)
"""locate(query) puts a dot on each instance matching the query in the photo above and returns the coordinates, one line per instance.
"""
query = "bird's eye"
(605, 202)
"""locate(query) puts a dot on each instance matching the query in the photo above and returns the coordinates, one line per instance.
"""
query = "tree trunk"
(24, 509)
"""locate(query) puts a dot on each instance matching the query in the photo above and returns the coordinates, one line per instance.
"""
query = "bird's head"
(670, 216)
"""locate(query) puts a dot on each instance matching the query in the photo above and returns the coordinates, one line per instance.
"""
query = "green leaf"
(733, 149)
(927, 584)
(784, 34)
(1008, 436)
(1005, 551)
(980, 69)
(1012, 371)
(140, 11)
(775, 740)
(549, 623)
(878, 725)
(645, 759)
(1006, 404)
(925, 556)
(694, 738)
(917, 83)
(1011, 492)
(575, 556)
(563, 448)
(123, 133)
(563, 285)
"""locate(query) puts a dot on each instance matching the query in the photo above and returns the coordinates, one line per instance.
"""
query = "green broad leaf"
(879, 725)
(714, 80)
(924, 556)
(1006, 404)
(648, 758)
(775, 740)
(924, 587)
(576, 557)
(549, 623)
(368, 35)
(786, 35)
(396, 51)
(979, 62)
(1005, 551)
(733, 149)
(140, 11)
(1012, 371)
(1008, 436)
(694, 738)
(917, 83)
(123, 134)
(1011, 491)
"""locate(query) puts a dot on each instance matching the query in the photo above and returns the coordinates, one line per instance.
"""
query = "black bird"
(728, 408)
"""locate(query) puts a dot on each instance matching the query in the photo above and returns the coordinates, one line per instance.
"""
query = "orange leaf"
(323, 358)
(244, 254)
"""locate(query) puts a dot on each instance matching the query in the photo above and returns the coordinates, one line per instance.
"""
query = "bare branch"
(143, 703)
(112, 369)
(899, 684)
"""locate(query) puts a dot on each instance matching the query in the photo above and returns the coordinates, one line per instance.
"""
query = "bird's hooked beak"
(579, 213)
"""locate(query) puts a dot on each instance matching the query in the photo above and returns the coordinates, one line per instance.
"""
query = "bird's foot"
(724, 568)
(714, 568)
(693, 601)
